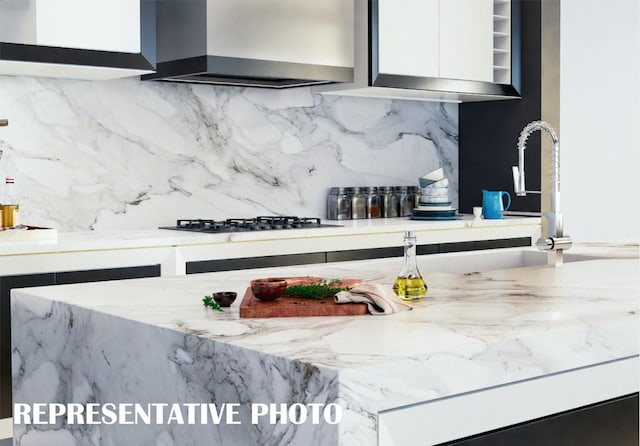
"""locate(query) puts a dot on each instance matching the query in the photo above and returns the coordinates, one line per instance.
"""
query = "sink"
(491, 259)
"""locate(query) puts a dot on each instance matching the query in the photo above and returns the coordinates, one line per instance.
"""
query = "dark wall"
(489, 131)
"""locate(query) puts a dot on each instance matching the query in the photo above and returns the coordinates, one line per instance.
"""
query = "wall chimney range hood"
(265, 43)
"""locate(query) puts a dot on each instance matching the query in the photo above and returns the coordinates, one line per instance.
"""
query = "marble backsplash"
(127, 154)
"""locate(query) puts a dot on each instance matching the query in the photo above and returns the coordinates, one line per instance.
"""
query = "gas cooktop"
(247, 224)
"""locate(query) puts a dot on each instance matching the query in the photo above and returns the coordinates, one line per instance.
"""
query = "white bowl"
(431, 177)
(440, 192)
(426, 201)
(442, 184)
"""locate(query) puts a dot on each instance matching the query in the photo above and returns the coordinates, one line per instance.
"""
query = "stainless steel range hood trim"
(219, 70)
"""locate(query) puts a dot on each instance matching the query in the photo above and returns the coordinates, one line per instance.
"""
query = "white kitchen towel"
(380, 299)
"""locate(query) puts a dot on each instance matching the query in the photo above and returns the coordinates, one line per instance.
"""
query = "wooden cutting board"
(285, 306)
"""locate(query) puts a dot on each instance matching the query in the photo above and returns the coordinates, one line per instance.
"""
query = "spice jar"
(389, 202)
(358, 204)
(414, 191)
(405, 204)
(374, 205)
(338, 204)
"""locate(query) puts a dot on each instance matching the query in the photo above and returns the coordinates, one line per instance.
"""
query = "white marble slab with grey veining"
(127, 154)
(152, 340)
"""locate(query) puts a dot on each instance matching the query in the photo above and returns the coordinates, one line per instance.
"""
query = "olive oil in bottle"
(409, 288)
(10, 209)
(409, 284)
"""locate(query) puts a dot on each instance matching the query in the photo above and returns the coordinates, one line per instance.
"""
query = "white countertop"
(113, 240)
(474, 331)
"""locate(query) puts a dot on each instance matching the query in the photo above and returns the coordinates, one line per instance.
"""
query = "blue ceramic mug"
(492, 204)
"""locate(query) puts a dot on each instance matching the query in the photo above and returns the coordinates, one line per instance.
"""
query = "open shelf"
(502, 41)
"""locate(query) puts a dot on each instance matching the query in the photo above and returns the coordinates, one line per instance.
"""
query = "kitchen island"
(571, 332)
(90, 256)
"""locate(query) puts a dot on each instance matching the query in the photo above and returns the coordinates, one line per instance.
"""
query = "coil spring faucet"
(555, 241)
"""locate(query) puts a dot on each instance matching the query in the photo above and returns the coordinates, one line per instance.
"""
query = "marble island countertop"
(475, 331)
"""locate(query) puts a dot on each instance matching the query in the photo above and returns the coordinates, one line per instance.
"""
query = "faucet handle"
(518, 183)
(554, 243)
(516, 180)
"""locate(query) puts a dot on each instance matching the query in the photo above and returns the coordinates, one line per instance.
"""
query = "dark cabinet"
(100, 275)
(613, 422)
(7, 283)
(207, 266)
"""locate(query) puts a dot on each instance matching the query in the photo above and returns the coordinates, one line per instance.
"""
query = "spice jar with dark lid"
(389, 202)
(338, 204)
(405, 201)
(358, 204)
(414, 191)
(374, 205)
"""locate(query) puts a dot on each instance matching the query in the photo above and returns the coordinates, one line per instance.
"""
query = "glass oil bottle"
(409, 284)
(10, 208)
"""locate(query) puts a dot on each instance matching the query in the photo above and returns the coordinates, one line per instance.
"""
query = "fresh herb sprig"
(210, 303)
(320, 290)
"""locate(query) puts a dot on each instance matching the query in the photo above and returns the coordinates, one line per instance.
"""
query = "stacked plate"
(434, 201)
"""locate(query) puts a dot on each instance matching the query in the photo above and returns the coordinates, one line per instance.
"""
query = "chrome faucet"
(555, 241)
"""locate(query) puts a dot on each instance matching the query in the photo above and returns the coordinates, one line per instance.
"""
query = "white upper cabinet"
(112, 25)
(409, 37)
(78, 39)
(436, 38)
(18, 21)
(443, 50)
(466, 39)
(502, 26)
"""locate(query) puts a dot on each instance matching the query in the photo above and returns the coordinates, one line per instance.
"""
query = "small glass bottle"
(374, 206)
(409, 284)
(358, 204)
(414, 191)
(338, 204)
(389, 202)
(405, 203)
(10, 208)
(332, 203)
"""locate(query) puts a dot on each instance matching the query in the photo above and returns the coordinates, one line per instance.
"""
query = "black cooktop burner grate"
(261, 223)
